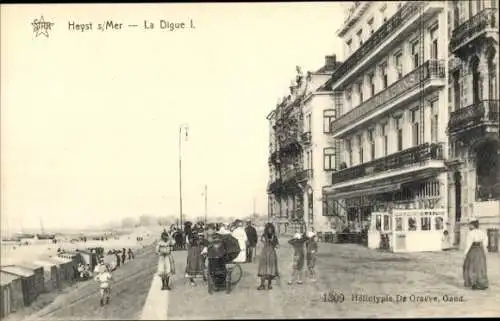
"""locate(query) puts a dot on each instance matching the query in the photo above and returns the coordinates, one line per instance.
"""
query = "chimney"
(330, 61)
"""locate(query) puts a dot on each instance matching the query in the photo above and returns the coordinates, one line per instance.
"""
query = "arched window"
(476, 81)
(492, 77)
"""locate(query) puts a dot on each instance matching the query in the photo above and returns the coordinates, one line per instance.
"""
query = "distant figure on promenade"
(298, 257)
(195, 265)
(166, 263)
(445, 241)
(124, 255)
(311, 250)
(130, 254)
(475, 268)
(240, 234)
(252, 240)
(268, 261)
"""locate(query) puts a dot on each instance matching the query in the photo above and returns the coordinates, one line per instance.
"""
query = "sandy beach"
(12, 253)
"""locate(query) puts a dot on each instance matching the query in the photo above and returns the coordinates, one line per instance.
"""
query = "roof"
(30, 265)
(17, 270)
(45, 263)
(58, 259)
(6, 278)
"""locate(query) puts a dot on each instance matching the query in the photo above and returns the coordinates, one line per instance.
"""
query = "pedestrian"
(268, 261)
(104, 278)
(195, 265)
(118, 261)
(124, 255)
(311, 250)
(297, 243)
(445, 241)
(130, 254)
(475, 268)
(240, 234)
(166, 263)
(252, 240)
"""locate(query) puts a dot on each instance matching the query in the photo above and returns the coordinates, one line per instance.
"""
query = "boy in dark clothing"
(252, 240)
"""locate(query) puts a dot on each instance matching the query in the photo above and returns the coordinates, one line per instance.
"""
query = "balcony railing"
(473, 115)
(429, 70)
(385, 31)
(306, 138)
(289, 174)
(486, 19)
(305, 175)
(407, 157)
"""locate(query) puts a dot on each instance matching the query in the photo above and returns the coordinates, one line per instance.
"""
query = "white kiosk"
(408, 230)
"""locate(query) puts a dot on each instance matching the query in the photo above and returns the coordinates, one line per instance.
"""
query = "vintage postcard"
(187, 161)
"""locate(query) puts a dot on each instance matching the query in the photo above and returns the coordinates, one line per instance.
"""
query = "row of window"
(417, 133)
(465, 10)
(370, 84)
(425, 223)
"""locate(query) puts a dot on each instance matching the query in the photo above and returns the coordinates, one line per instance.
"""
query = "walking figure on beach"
(104, 278)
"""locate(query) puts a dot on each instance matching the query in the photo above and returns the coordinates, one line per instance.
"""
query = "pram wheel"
(228, 283)
(210, 284)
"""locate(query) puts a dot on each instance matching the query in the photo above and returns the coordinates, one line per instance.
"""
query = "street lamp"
(182, 127)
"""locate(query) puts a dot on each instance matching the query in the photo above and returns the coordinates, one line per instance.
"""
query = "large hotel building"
(412, 138)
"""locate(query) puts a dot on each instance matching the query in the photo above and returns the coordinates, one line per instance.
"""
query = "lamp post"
(182, 127)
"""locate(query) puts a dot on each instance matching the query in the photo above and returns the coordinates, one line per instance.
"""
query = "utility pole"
(181, 127)
(206, 204)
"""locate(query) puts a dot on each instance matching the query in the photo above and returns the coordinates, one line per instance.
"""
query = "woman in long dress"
(240, 234)
(195, 265)
(268, 261)
(166, 263)
(474, 268)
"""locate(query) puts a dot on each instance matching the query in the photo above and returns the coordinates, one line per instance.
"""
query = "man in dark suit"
(252, 240)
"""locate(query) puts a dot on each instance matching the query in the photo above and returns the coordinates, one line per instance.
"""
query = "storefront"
(407, 230)
(408, 216)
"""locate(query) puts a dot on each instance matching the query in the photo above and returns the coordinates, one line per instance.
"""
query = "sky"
(90, 119)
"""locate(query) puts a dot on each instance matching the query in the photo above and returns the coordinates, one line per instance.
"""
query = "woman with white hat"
(474, 268)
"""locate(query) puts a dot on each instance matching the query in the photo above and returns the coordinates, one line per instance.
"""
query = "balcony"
(306, 138)
(273, 158)
(305, 175)
(483, 113)
(274, 186)
(399, 92)
(396, 29)
(476, 27)
(289, 174)
(405, 158)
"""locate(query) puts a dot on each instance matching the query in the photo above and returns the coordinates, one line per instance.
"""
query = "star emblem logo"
(41, 27)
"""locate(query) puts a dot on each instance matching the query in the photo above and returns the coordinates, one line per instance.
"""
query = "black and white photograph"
(240, 160)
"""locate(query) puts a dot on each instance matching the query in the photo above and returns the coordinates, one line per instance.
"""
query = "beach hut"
(12, 294)
(51, 274)
(89, 258)
(66, 268)
(39, 275)
(27, 281)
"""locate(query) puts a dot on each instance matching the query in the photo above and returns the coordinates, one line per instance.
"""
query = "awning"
(390, 185)
(367, 191)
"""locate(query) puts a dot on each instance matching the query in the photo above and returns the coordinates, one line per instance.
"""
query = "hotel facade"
(391, 125)
(301, 157)
(473, 128)
(402, 141)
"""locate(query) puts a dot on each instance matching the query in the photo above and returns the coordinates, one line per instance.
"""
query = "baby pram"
(220, 253)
